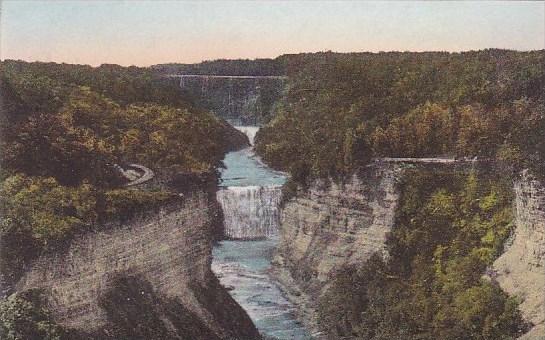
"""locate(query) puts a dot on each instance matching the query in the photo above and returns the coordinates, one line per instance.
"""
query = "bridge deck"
(207, 76)
(441, 160)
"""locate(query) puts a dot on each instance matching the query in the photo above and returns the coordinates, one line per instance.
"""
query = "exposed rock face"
(521, 269)
(331, 226)
(167, 253)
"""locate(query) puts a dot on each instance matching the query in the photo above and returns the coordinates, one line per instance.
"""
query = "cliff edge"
(520, 270)
(331, 226)
(149, 278)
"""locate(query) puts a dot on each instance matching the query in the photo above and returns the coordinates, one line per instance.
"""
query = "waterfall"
(249, 131)
(250, 196)
(250, 212)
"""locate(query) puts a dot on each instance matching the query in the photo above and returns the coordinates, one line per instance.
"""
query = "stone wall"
(171, 250)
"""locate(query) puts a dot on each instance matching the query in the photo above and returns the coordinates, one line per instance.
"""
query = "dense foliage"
(23, 316)
(63, 129)
(340, 110)
(230, 67)
(432, 286)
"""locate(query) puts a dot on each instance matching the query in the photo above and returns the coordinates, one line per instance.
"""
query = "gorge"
(333, 227)
(383, 196)
(250, 200)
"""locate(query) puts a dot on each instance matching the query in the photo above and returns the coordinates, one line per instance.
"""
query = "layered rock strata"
(520, 270)
(333, 225)
(169, 252)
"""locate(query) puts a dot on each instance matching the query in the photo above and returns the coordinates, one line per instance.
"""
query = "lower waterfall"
(250, 212)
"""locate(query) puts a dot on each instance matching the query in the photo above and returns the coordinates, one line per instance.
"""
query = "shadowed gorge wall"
(241, 100)
(334, 225)
(167, 255)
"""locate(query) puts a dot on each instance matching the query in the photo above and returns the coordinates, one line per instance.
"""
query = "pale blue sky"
(145, 32)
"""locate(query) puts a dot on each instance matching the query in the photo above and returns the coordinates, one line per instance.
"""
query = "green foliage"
(23, 317)
(432, 285)
(46, 210)
(64, 127)
(37, 214)
(236, 67)
(421, 132)
(73, 122)
(484, 103)
(124, 203)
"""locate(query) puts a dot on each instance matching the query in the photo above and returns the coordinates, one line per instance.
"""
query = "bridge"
(428, 160)
(206, 77)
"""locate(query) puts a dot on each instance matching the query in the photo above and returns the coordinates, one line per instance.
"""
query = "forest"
(237, 67)
(341, 110)
(63, 129)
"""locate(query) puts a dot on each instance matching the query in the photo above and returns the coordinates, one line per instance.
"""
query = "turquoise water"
(241, 265)
(244, 168)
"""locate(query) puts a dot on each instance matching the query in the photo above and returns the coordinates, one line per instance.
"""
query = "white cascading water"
(249, 131)
(250, 199)
(250, 212)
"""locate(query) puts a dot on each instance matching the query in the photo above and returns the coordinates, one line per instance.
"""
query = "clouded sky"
(145, 32)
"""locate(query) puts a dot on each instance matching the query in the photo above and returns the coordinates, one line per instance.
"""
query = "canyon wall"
(160, 262)
(332, 225)
(520, 271)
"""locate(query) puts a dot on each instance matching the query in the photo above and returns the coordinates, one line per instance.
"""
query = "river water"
(250, 198)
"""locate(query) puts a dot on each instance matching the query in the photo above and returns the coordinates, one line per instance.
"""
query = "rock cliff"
(110, 282)
(520, 271)
(333, 225)
(330, 226)
(245, 101)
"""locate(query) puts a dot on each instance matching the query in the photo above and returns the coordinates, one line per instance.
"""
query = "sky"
(144, 33)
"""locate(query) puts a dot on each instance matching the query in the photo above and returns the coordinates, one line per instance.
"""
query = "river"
(250, 197)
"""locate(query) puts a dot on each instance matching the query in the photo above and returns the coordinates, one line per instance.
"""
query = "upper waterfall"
(249, 131)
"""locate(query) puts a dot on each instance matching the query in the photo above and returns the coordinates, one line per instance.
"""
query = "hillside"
(341, 110)
(64, 130)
